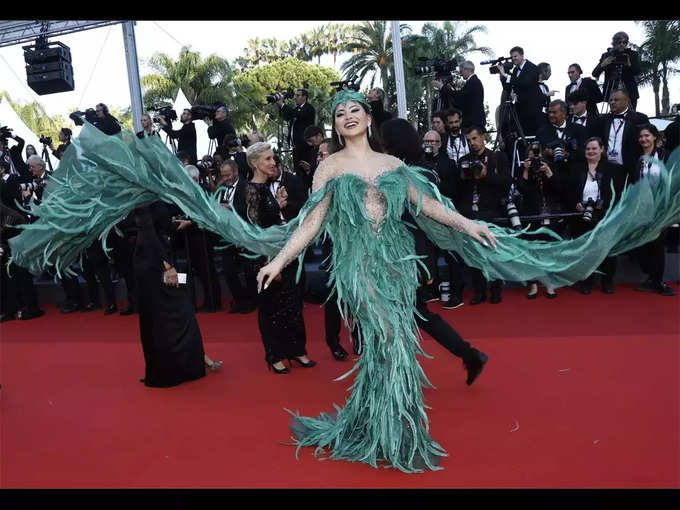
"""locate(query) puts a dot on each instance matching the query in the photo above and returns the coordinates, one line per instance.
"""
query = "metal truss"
(18, 32)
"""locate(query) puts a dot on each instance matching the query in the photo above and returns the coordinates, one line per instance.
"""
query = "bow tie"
(558, 128)
(580, 117)
(230, 186)
(619, 116)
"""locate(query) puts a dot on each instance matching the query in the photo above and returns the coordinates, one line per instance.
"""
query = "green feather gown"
(373, 266)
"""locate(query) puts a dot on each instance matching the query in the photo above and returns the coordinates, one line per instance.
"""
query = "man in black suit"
(572, 135)
(299, 118)
(470, 99)
(456, 144)
(586, 86)
(233, 196)
(523, 81)
(185, 136)
(292, 187)
(618, 130)
(620, 65)
(307, 166)
(578, 101)
(220, 127)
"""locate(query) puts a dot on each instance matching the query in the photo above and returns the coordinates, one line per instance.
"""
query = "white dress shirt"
(590, 190)
(615, 141)
(576, 85)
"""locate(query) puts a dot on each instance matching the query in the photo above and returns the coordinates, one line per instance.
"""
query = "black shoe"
(339, 353)
(70, 308)
(585, 288)
(91, 306)
(647, 286)
(452, 302)
(429, 294)
(495, 297)
(551, 296)
(26, 316)
(664, 290)
(128, 310)
(475, 365)
(284, 370)
(476, 299)
(309, 364)
(7, 317)
(607, 286)
(532, 296)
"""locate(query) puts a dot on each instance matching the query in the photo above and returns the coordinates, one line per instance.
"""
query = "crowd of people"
(572, 158)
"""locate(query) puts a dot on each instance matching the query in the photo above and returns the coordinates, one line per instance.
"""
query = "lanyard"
(616, 132)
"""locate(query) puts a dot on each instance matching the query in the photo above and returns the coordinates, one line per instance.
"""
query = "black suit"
(470, 100)
(630, 150)
(297, 195)
(107, 124)
(592, 91)
(218, 130)
(549, 133)
(590, 123)
(628, 74)
(186, 139)
(299, 118)
(529, 96)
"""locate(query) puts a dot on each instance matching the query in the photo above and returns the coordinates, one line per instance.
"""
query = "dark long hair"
(373, 140)
(658, 142)
(401, 140)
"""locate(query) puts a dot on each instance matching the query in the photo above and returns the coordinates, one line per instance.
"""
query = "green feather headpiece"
(348, 95)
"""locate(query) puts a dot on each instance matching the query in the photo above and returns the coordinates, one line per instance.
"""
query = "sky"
(100, 72)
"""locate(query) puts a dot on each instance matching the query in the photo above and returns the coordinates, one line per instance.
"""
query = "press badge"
(613, 155)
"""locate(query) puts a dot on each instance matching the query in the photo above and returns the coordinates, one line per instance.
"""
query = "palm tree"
(453, 40)
(659, 51)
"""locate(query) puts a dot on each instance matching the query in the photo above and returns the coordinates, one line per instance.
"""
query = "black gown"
(280, 319)
(171, 339)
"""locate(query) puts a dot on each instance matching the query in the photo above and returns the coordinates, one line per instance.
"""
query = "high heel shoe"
(309, 364)
(284, 370)
(213, 366)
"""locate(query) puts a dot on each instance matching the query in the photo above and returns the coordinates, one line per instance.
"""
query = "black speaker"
(48, 67)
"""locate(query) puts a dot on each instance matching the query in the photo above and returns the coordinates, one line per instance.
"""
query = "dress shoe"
(452, 302)
(646, 286)
(128, 310)
(110, 309)
(309, 364)
(26, 316)
(215, 365)
(91, 306)
(664, 290)
(607, 286)
(70, 308)
(532, 296)
(430, 294)
(475, 365)
(476, 299)
(339, 353)
(495, 297)
(584, 289)
(284, 370)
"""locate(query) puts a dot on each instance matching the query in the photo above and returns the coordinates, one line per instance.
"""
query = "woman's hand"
(477, 230)
(546, 170)
(282, 197)
(171, 278)
(268, 274)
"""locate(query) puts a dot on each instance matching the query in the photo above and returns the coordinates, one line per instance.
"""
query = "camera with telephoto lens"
(435, 66)
(89, 114)
(471, 167)
(535, 151)
(45, 140)
(205, 165)
(590, 207)
(428, 150)
(352, 84)
(511, 210)
(5, 132)
(167, 113)
(280, 96)
(506, 61)
(201, 111)
(562, 149)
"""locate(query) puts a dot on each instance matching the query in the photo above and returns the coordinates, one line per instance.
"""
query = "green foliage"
(658, 52)
(36, 119)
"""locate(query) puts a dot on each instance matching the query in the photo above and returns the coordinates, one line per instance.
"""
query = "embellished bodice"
(263, 209)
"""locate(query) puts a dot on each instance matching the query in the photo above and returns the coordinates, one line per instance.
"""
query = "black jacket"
(449, 176)
(107, 125)
(141, 134)
(548, 134)
(630, 150)
(297, 195)
(490, 189)
(606, 174)
(635, 171)
(218, 131)
(672, 136)
(470, 100)
(379, 114)
(591, 123)
(628, 74)
(529, 95)
(592, 91)
(299, 119)
(186, 139)
(239, 204)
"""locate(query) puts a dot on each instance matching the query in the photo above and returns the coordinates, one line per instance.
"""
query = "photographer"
(307, 166)
(105, 122)
(299, 118)
(288, 190)
(444, 99)
(147, 127)
(185, 136)
(620, 65)
(12, 156)
(65, 139)
(436, 160)
(563, 141)
(470, 99)
(578, 103)
(376, 98)
(586, 86)
(456, 143)
(220, 127)
(544, 73)
(589, 192)
(523, 81)
(484, 181)
(233, 149)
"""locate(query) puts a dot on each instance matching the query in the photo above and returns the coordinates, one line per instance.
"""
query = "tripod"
(612, 85)
(509, 133)
(46, 157)
(173, 144)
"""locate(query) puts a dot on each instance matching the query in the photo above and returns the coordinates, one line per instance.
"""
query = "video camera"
(45, 140)
(471, 166)
(352, 83)
(436, 66)
(562, 149)
(5, 133)
(89, 114)
(507, 64)
(168, 114)
(280, 96)
(201, 111)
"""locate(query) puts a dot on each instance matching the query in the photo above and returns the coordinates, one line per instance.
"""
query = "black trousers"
(235, 264)
(123, 251)
(96, 264)
(16, 290)
(71, 290)
(652, 258)
(457, 268)
(608, 265)
(203, 263)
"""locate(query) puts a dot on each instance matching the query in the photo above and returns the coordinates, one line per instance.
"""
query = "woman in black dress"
(280, 305)
(589, 192)
(171, 339)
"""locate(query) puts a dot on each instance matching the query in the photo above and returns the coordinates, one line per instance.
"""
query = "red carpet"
(581, 391)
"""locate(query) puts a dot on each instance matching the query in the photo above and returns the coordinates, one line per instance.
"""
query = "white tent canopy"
(10, 118)
(202, 140)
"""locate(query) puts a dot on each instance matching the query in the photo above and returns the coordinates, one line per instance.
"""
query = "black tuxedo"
(489, 190)
(629, 147)
(239, 191)
(592, 91)
(591, 123)
(628, 75)
(548, 133)
(299, 119)
(186, 139)
(470, 100)
(529, 96)
(297, 195)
